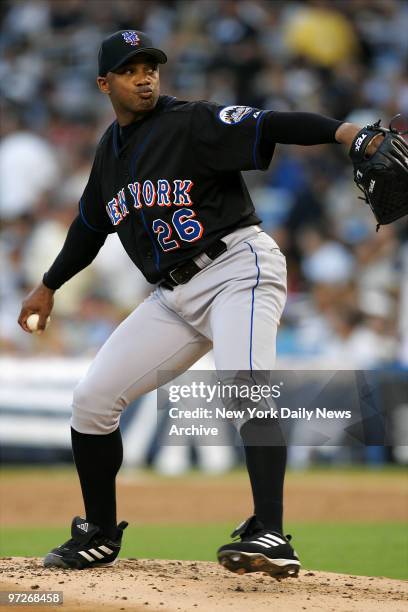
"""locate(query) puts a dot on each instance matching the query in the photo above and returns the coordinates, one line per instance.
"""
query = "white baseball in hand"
(32, 323)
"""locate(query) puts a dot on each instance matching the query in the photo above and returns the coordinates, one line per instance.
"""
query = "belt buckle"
(172, 277)
(184, 273)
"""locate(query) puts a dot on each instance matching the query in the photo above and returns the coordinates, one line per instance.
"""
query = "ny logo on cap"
(131, 38)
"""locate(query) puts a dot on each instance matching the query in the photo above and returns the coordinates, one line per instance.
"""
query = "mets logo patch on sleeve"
(234, 114)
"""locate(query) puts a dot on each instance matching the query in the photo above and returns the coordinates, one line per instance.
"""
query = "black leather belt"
(185, 272)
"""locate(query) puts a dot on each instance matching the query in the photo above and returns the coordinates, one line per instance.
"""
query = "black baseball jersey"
(174, 186)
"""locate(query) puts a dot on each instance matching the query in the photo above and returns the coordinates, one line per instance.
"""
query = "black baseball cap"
(118, 48)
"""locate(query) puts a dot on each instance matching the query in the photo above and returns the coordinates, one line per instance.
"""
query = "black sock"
(266, 468)
(98, 459)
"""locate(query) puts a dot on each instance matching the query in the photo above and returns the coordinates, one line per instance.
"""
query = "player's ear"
(103, 84)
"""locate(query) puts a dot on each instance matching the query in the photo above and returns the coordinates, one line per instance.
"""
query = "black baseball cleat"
(260, 550)
(88, 547)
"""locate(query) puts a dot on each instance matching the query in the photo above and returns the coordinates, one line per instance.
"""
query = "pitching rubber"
(244, 562)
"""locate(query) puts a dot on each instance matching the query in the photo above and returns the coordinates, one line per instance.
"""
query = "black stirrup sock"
(98, 459)
(266, 467)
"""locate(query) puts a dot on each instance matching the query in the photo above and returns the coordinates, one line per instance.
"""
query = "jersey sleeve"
(91, 208)
(227, 138)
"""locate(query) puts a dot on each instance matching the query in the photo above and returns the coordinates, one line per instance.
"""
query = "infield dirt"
(147, 498)
(134, 585)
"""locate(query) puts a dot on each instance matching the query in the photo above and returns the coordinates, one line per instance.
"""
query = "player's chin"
(145, 102)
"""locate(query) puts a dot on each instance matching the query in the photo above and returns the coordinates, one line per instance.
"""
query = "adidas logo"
(83, 526)
(92, 554)
(268, 540)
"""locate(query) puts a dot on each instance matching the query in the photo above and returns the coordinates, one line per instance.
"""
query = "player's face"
(133, 88)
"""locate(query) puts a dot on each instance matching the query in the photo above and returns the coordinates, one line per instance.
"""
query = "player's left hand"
(347, 132)
(381, 172)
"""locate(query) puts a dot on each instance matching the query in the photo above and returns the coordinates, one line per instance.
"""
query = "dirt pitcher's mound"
(152, 585)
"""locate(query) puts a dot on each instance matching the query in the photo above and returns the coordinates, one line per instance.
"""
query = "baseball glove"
(382, 177)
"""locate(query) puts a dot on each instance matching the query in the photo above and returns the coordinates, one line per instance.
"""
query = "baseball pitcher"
(167, 179)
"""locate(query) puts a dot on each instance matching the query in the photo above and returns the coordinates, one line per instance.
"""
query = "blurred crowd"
(348, 285)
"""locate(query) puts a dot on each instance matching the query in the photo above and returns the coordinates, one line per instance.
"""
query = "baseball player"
(167, 179)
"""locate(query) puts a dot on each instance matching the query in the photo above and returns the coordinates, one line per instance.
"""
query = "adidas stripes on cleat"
(88, 547)
(260, 550)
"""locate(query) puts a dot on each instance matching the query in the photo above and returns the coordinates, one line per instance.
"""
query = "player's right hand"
(41, 301)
